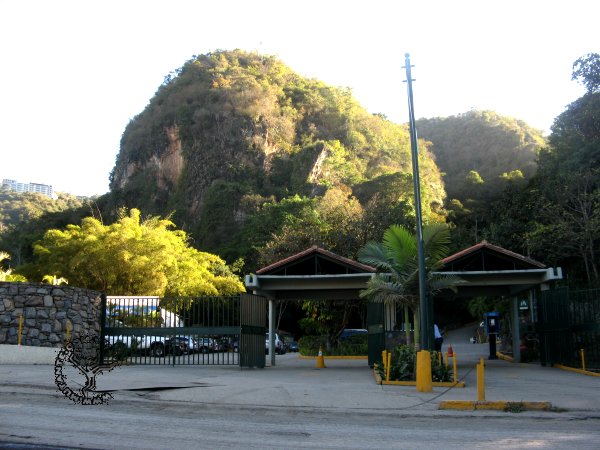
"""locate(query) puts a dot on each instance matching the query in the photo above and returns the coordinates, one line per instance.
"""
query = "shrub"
(404, 366)
(353, 346)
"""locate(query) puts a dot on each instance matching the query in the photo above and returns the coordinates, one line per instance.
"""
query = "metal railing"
(569, 321)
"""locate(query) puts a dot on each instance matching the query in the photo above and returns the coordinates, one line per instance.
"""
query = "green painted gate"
(253, 309)
(191, 330)
(375, 327)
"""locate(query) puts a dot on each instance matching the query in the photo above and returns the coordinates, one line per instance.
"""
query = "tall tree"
(131, 257)
(586, 70)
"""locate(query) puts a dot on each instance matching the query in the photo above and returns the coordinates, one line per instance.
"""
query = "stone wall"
(48, 312)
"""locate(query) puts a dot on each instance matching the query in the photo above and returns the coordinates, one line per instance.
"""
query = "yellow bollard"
(388, 366)
(320, 359)
(424, 383)
(480, 382)
(582, 360)
(20, 329)
(454, 367)
(68, 332)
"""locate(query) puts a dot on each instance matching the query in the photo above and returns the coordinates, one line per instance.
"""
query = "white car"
(279, 345)
(154, 345)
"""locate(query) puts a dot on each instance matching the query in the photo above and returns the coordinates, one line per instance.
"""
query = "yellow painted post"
(424, 383)
(454, 367)
(446, 358)
(439, 355)
(388, 367)
(68, 332)
(480, 382)
(582, 359)
(384, 360)
(20, 329)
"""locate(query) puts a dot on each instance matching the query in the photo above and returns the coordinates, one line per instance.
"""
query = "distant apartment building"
(13, 185)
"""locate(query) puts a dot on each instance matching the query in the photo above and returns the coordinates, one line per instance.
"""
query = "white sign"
(523, 304)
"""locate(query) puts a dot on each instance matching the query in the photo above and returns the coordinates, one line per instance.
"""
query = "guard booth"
(489, 270)
(317, 274)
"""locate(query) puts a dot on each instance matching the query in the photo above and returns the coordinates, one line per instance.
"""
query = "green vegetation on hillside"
(231, 132)
(24, 217)
(555, 218)
(479, 152)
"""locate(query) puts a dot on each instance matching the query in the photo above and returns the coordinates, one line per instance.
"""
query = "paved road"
(295, 405)
(139, 423)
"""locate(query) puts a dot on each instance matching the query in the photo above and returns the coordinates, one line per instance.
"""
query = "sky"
(73, 73)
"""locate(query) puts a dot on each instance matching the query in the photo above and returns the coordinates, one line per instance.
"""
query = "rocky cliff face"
(168, 166)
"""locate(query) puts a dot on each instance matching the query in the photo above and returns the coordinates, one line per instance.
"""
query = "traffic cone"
(450, 351)
(320, 359)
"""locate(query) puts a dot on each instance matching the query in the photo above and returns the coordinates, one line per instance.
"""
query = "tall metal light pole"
(424, 316)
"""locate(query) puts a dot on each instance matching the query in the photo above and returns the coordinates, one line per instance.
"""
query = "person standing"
(438, 339)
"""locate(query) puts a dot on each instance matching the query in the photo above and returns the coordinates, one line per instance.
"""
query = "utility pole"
(424, 313)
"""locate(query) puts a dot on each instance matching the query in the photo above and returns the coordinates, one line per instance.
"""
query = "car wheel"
(158, 350)
(204, 349)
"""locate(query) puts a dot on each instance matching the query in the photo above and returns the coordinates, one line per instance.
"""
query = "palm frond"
(374, 254)
(436, 242)
(439, 282)
(400, 244)
(382, 289)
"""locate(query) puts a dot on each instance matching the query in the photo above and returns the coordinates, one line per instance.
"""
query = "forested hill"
(479, 151)
(230, 131)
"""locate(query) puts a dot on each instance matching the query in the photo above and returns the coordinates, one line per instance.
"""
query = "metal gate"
(169, 331)
(568, 322)
(252, 337)
(375, 327)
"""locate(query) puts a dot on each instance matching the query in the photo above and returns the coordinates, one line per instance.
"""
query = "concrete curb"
(572, 369)
(465, 405)
(22, 354)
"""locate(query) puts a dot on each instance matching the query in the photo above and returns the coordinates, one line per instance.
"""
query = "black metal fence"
(153, 330)
(569, 322)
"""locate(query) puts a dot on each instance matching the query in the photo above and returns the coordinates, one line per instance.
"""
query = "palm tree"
(396, 261)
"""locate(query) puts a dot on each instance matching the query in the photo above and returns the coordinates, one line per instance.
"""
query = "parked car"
(349, 332)
(279, 345)
(207, 345)
(153, 345)
(292, 346)
(179, 345)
